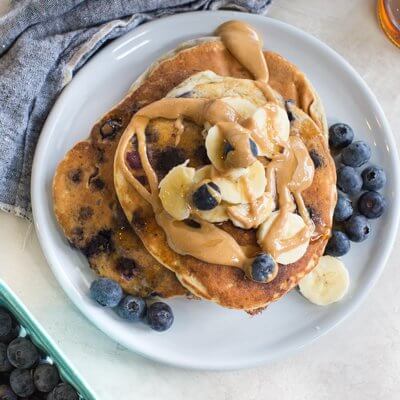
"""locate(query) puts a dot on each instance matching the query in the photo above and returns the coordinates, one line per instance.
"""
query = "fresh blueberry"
(8, 327)
(22, 353)
(5, 365)
(63, 391)
(6, 393)
(263, 268)
(227, 148)
(357, 228)
(348, 180)
(356, 154)
(338, 245)
(46, 377)
(21, 382)
(207, 196)
(106, 292)
(131, 308)
(253, 147)
(371, 204)
(343, 209)
(340, 135)
(160, 316)
(374, 178)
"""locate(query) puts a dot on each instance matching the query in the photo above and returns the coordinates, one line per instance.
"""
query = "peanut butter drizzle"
(239, 138)
(289, 172)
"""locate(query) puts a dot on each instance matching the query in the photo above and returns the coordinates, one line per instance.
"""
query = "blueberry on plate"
(207, 196)
(46, 377)
(5, 365)
(22, 353)
(340, 135)
(131, 308)
(8, 327)
(371, 204)
(263, 268)
(63, 391)
(106, 292)
(356, 154)
(6, 393)
(357, 228)
(160, 316)
(21, 382)
(374, 178)
(343, 209)
(338, 244)
(348, 180)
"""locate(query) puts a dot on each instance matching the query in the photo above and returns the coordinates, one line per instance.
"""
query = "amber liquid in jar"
(389, 17)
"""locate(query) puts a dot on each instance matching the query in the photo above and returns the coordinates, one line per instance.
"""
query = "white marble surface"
(359, 360)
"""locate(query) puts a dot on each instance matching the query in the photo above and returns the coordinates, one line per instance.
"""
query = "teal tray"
(9, 300)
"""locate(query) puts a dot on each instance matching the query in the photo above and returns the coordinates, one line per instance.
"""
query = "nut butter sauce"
(289, 172)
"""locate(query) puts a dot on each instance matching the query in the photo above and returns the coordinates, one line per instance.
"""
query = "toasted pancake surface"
(226, 285)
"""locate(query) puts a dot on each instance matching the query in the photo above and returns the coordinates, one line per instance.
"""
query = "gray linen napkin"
(42, 44)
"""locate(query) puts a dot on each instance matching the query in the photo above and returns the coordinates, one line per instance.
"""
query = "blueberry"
(340, 135)
(5, 365)
(357, 228)
(263, 268)
(356, 154)
(106, 292)
(226, 149)
(207, 196)
(374, 178)
(348, 180)
(338, 245)
(8, 327)
(131, 308)
(63, 391)
(343, 209)
(371, 204)
(160, 316)
(22, 353)
(253, 147)
(46, 377)
(21, 382)
(6, 393)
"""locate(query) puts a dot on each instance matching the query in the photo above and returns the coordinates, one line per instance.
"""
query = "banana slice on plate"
(174, 189)
(236, 191)
(293, 226)
(217, 214)
(273, 127)
(245, 108)
(327, 283)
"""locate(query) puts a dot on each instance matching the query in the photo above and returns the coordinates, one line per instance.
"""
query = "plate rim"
(62, 277)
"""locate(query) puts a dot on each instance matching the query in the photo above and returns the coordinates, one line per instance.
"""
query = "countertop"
(360, 359)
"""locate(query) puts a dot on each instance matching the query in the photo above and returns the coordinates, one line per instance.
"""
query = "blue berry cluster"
(108, 293)
(24, 371)
(359, 199)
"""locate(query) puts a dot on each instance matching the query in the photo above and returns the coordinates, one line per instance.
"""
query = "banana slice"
(235, 191)
(327, 283)
(174, 188)
(273, 128)
(293, 226)
(217, 214)
(245, 108)
(243, 216)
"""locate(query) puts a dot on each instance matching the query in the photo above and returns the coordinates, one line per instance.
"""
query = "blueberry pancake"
(224, 171)
(89, 214)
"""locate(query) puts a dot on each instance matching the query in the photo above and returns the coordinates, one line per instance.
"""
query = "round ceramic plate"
(205, 335)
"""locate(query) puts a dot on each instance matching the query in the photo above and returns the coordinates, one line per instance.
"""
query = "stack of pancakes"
(107, 219)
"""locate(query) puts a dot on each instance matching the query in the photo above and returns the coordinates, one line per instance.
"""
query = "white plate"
(204, 335)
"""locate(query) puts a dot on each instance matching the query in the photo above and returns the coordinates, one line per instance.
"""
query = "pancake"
(88, 212)
(222, 284)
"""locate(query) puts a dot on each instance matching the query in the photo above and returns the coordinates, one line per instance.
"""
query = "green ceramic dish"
(41, 339)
